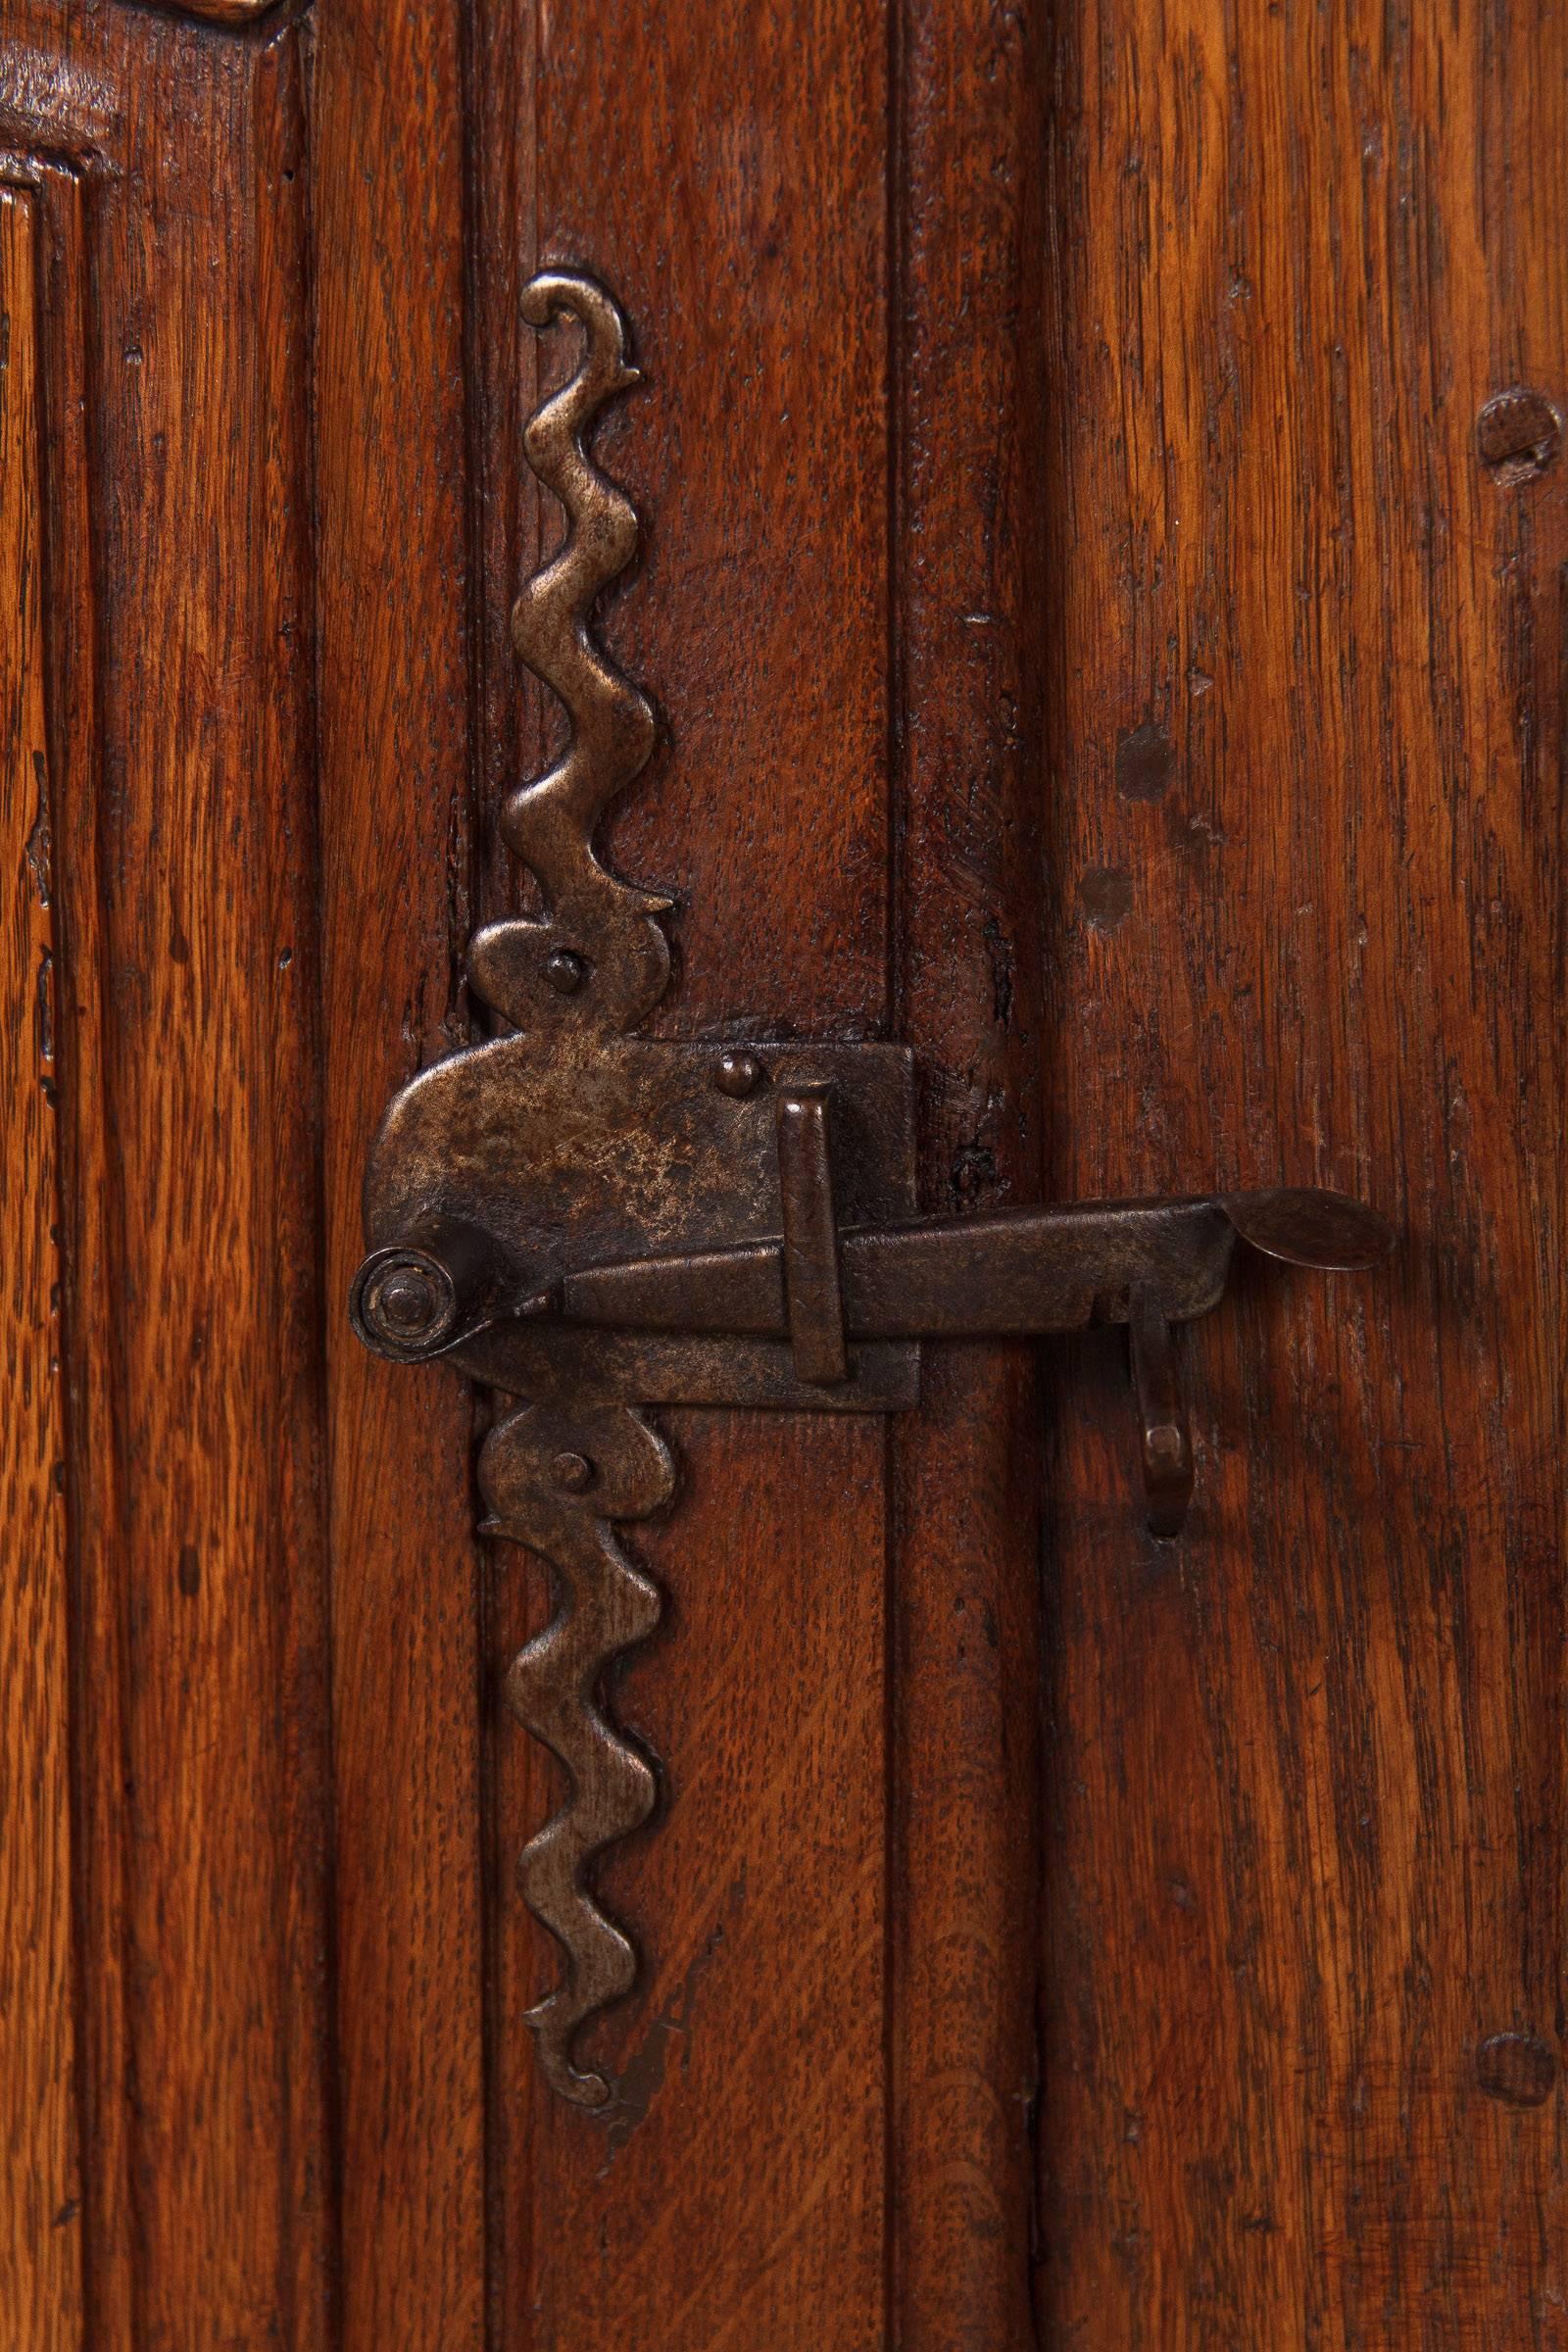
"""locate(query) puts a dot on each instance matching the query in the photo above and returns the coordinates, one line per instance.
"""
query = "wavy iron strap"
(599, 958)
(529, 1473)
(597, 961)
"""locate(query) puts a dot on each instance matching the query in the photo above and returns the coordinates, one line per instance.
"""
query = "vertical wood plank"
(388, 212)
(1306, 839)
(725, 174)
(965, 1595)
(40, 2233)
(179, 693)
(204, 825)
(91, 1487)
(287, 1028)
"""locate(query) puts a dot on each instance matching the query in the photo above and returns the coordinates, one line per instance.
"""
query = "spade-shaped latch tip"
(1303, 1226)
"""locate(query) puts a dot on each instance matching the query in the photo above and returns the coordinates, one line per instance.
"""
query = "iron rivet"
(573, 1472)
(565, 971)
(405, 1301)
(738, 1075)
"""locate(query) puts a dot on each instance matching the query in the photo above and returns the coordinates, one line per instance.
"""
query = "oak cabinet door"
(1100, 588)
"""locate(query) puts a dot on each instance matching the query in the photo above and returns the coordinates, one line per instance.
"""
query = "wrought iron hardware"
(597, 1222)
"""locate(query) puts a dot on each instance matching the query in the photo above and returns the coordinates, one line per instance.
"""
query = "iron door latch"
(598, 1222)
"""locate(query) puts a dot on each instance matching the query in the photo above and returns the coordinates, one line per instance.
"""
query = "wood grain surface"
(1104, 590)
(58, 198)
(40, 2232)
(737, 2192)
(967, 670)
(1303, 823)
(177, 656)
(387, 209)
(838, 2007)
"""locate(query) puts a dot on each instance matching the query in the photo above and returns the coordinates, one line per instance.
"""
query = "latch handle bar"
(1007, 1273)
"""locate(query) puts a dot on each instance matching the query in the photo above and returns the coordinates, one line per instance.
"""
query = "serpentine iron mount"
(598, 1223)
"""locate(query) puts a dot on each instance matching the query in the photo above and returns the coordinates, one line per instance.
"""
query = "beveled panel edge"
(40, 1962)
(51, 162)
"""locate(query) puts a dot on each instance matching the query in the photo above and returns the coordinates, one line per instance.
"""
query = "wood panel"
(759, 1892)
(40, 2234)
(388, 215)
(737, 2193)
(806, 616)
(57, 195)
(1303, 811)
(1145, 476)
(178, 716)
(968, 668)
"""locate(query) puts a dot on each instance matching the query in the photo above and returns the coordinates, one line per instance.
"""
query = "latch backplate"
(628, 1146)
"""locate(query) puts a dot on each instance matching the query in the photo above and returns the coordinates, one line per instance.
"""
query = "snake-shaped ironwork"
(599, 959)
(608, 1603)
(596, 962)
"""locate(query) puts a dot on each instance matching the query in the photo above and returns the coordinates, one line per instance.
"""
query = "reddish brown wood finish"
(965, 1648)
(761, 456)
(309, 2101)
(65, 649)
(739, 2190)
(387, 208)
(176, 670)
(1303, 811)
(1094, 643)
(40, 2233)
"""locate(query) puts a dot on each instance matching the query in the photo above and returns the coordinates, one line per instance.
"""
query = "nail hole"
(1519, 2069)
(1106, 894)
(1518, 435)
